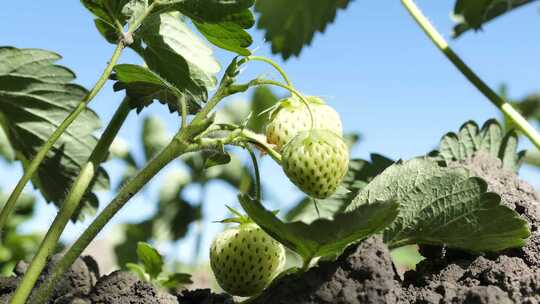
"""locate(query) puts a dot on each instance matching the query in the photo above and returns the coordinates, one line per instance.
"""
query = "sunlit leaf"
(230, 33)
(471, 139)
(443, 206)
(35, 97)
(323, 237)
(178, 56)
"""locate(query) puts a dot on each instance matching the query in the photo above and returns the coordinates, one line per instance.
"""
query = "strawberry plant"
(448, 202)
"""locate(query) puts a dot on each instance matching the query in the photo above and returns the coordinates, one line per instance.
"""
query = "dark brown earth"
(363, 274)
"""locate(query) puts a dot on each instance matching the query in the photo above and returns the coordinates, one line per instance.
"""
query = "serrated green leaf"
(476, 13)
(443, 206)
(108, 13)
(176, 279)
(35, 97)
(470, 140)
(151, 259)
(290, 25)
(107, 31)
(323, 237)
(230, 33)
(209, 10)
(138, 270)
(154, 136)
(227, 35)
(178, 56)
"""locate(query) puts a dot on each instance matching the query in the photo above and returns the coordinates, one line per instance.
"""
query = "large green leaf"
(144, 86)
(108, 13)
(209, 10)
(174, 53)
(473, 14)
(490, 139)
(443, 206)
(35, 97)
(230, 34)
(323, 237)
(290, 25)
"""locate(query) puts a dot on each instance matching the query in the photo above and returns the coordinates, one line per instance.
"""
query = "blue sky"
(373, 65)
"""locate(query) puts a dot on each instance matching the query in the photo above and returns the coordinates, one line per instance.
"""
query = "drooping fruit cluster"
(245, 259)
(314, 158)
(292, 116)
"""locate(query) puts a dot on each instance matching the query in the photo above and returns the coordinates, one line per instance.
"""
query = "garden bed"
(363, 274)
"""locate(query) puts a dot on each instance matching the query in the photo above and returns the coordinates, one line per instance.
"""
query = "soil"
(363, 274)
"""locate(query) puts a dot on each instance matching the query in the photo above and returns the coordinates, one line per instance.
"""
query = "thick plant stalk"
(499, 102)
(36, 161)
(274, 65)
(178, 146)
(71, 203)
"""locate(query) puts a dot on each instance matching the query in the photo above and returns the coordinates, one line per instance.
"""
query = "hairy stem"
(178, 146)
(78, 189)
(443, 46)
(273, 64)
(258, 82)
(36, 161)
(168, 154)
(258, 194)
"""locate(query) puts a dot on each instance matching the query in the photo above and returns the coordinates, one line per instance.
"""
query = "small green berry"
(316, 161)
(245, 259)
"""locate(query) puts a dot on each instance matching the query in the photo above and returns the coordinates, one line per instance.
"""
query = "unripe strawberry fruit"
(245, 259)
(316, 161)
(292, 116)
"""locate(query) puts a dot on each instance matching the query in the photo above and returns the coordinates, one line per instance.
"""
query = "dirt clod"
(125, 287)
(363, 274)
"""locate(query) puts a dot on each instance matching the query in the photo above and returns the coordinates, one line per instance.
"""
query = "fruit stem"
(42, 153)
(258, 82)
(491, 95)
(84, 179)
(275, 65)
(255, 138)
(257, 173)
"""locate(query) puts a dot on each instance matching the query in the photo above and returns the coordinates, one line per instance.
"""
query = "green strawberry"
(316, 161)
(292, 116)
(245, 259)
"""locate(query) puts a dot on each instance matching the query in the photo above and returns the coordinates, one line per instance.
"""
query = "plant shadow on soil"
(363, 274)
